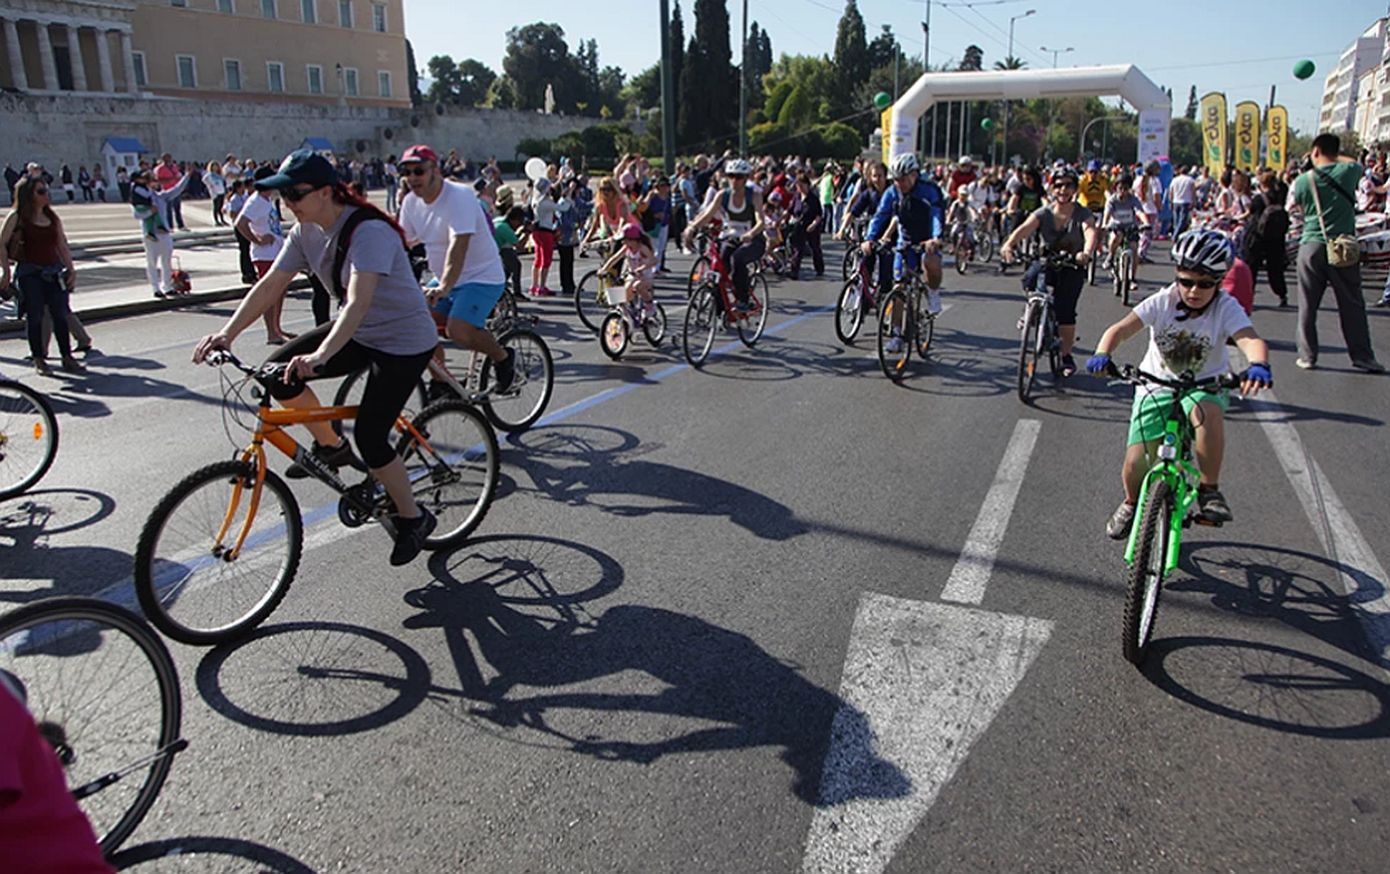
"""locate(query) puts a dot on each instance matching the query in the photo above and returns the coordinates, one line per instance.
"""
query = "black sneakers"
(411, 535)
(506, 372)
(333, 456)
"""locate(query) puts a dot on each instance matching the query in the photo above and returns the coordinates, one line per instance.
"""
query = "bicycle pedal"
(1209, 523)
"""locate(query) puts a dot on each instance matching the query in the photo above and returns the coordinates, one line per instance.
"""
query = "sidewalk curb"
(152, 304)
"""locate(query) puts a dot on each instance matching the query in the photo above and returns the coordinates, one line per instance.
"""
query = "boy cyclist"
(1189, 323)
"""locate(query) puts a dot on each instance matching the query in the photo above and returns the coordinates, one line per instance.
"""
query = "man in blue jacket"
(917, 204)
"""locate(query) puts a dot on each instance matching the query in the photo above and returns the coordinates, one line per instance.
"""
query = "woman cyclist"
(1066, 228)
(741, 211)
(1025, 199)
(611, 213)
(384, 326)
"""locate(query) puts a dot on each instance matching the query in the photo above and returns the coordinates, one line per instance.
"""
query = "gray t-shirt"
(398, 322)
(1059, 237)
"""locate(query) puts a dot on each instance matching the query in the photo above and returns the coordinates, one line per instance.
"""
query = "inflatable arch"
(1127, 82)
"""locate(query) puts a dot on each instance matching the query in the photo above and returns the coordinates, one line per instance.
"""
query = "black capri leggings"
(390, 380)
(1066, 284)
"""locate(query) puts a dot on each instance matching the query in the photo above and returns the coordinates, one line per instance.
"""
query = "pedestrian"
(99, 182)
(65, 176)
(1265, 234)
(259, 222)
(809, 215)
(393, 183)
(544, 224)
(151, 207)
(1183, 193)
(33, 238)
(217, 187)
(567, 234)
(166, 175)
(231, 169)
(507, 233)
(1324, 193)
(236, 199)
(1150, 193)
(12, 178)
(123, 184)
(84, 182)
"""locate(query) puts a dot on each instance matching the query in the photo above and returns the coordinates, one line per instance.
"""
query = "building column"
(21, 79)
(79, 66)
(108, 79)
(50, 70)
(128, 58)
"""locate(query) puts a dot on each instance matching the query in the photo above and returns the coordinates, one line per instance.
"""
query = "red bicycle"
(860, 293)
(712, 305)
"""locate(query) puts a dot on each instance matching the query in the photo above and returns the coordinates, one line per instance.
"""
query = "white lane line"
(1364, 581)
(966, 584)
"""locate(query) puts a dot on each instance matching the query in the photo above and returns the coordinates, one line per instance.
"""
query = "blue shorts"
(910, 259)
(471, 302)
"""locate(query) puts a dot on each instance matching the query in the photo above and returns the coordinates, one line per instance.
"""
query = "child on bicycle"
(639, 270)
(1189, 323)
(1122, 218)
(959, 217)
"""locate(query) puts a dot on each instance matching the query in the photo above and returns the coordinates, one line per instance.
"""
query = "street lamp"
(1008, 58)
(1055, 53)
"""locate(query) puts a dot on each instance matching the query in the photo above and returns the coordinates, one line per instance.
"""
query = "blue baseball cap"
(301, 167)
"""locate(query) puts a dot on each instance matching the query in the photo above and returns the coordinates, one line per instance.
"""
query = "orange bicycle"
(220, 550)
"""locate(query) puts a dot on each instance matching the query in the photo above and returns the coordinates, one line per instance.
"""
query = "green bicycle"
(1168, 502)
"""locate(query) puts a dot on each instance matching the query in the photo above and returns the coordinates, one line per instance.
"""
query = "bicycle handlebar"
(1185, 382)
(263, 373)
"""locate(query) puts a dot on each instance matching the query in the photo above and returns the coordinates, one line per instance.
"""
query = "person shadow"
(549, 676)
(26, 525)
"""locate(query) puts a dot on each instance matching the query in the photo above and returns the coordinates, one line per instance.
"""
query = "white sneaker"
(894, 344)
(934, 302)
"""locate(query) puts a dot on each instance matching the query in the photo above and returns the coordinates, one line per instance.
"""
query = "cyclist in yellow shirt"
(1093, 188)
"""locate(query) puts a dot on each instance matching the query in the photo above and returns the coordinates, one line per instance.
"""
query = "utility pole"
(668, 95)
(743, 88)
(1010, 58)
(926, 59)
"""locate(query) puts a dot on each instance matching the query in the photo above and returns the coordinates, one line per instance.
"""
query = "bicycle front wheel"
(849, 266)
(1123, 282)
(529, 395)
(105, 695)
(750, 329)
(849, 312)
(1145, 579)
(698, 271)
(190, 584)
(894, 335)
(613, 335)
(1028, 351)
(591, 299)
(701, 324)
(453, 472)
(28, 438)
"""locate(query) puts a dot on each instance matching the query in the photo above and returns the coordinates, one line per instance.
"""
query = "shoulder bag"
(1343, 250)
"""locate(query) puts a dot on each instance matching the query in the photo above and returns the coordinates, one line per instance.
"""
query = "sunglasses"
(1064, 186)
(294, 195)
(40, 190)
(415, 171)
(1204, 284)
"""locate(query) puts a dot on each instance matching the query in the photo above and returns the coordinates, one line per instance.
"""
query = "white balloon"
(535, 168)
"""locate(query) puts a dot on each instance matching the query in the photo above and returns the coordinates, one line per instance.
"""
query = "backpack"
(340, 251)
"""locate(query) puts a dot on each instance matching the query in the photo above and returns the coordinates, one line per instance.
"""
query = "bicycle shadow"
(227, 855)
(513, 663)
(26, 524)
(580, 471)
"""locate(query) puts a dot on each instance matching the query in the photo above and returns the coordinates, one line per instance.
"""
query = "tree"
(1185, 141)
(852, 61)
(644, 89)
(444, 73)
(1191, 113)
(709, 87)
(677, 40)
(974, 60)
(587, 72)
(463, 84)
(412, 75)
(536, 56)
(609, 94)
(1010, 63)
(884, 49)
(753, 76)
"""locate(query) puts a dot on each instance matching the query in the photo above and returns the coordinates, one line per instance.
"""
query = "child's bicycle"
(591, 294)
(28, 437)
(858, 296)
(624, 320)
(963, 248)
(220, 550)
(1167, 504)
(1122, 264)
(712, 306)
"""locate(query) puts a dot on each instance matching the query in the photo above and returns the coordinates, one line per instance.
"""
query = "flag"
(1213, 117)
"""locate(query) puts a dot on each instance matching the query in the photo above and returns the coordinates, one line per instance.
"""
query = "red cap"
(418, 153)
(632, 232)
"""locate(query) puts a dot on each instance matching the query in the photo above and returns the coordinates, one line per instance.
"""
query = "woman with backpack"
(1265, 232)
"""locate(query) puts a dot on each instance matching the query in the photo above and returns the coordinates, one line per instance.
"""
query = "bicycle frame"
(1175, 466)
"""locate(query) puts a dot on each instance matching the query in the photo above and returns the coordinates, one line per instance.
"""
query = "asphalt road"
(637, 663)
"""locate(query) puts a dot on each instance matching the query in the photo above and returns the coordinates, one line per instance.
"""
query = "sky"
(1241, 47)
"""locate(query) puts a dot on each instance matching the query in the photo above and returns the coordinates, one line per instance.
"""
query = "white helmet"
(904, 164)
(966, 159)
(1203, 249)
(738, 167)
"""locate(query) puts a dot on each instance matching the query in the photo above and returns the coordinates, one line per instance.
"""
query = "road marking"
(1363, 577)
(966, 584)
(921, 684)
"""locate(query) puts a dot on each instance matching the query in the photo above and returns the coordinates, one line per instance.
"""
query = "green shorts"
(1150, 411)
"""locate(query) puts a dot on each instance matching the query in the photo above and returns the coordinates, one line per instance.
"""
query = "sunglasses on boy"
(1204, 284)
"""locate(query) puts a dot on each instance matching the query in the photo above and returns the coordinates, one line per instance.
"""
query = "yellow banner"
(1214, 132)
(885, 124)
(1277, 143)
(1247, 136)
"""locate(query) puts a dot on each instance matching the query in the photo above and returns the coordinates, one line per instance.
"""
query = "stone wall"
(59, 129)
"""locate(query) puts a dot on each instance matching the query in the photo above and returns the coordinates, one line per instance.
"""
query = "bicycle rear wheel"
(654, 328)
(525, 403)
(849, 312)
(893, 361)
(28, 438)
(349, 394)
(189, 585)
(1145, 578)
(105, 695)
(454, 473)
(1028, 351)
(701, 324)
(750, 330)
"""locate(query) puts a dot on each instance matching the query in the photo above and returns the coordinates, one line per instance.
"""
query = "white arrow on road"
(921, 683)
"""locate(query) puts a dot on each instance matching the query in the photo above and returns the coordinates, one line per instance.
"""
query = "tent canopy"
(124, 145)
(317, 144)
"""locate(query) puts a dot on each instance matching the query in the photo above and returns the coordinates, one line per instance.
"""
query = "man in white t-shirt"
(449, 220)
(1182, 192)
(259, 222)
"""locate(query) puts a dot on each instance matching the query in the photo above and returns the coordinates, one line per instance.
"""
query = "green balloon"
(987, 124)
(1303, 69)
(883, 100)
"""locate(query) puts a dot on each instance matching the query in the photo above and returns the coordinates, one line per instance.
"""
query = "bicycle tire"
(166, 582)
(1028, 351)
(27, 424)
(655, 326)
(849, 265)
(613, 336)
(701, 325)
(923, 325)
(1126, 259)
(463, 459)
(962, 258)
(42, 642)
(587, 301)
(1091, 272)
(849, 319)
(1053, 341)
(521, 408)
(1144, 581)
(894, 364)
(349, 394)
(696, 277)
(985, 246)
(750, 329)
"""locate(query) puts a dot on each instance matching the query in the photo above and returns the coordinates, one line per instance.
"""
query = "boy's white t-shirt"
(260, 213)
(456, 211)
(1195, 343)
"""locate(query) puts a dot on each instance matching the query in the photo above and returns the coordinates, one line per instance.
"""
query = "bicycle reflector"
(38, 429)
(1169, 450)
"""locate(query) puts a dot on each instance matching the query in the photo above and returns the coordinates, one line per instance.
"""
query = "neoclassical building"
(54, 46)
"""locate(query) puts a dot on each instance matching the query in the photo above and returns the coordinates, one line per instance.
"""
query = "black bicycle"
(1037, 328)
(28, 438)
